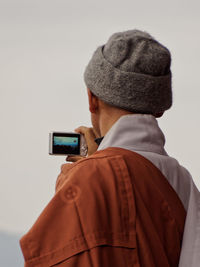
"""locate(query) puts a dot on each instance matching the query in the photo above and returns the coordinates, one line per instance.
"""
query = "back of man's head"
(132, 72)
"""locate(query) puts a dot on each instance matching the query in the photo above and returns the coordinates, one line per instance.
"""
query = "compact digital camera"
(61, 143)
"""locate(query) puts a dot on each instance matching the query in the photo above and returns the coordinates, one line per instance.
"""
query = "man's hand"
(90, 135)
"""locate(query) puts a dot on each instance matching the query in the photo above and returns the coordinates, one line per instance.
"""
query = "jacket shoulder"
(90, 209)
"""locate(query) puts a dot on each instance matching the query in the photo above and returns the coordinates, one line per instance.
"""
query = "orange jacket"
(112, 209)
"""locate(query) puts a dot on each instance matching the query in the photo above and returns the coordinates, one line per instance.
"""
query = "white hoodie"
(141, 134)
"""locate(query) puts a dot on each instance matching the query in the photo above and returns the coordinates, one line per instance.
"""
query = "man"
(129, 203)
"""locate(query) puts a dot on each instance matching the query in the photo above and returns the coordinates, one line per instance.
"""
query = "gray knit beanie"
(131, 71)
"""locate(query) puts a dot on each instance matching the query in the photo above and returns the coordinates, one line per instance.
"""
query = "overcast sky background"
(44, 48)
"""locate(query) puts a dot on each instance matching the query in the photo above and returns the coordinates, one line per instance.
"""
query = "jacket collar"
(135, 132)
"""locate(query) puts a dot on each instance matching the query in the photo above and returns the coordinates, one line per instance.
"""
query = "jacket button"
(71, 192)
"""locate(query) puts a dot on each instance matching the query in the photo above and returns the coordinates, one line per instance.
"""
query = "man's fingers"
(87, 132)
(90, 136)
(81, 129)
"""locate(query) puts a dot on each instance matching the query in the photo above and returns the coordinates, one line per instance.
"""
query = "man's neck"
(109, 117)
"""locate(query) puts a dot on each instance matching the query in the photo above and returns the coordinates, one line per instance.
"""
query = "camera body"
(65, 143)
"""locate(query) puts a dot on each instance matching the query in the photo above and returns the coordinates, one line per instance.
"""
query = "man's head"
(131, 72)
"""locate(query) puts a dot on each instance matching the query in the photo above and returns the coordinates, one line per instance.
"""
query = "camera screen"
(66, 145)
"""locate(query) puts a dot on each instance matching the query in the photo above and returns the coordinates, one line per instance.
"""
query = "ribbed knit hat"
(131, 71)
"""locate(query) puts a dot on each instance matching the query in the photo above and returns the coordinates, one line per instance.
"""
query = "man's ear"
(93, 102)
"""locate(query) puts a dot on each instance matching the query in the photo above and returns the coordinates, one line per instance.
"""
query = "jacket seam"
(82, 230)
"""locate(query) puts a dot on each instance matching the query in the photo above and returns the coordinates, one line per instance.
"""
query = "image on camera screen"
(66, 145)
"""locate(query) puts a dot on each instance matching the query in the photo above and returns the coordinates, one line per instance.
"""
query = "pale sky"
(44, 48)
